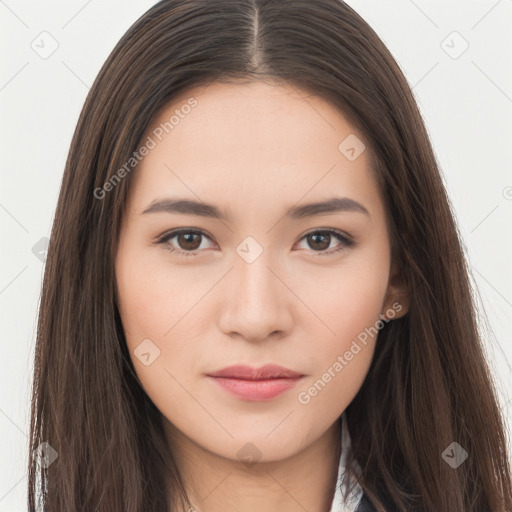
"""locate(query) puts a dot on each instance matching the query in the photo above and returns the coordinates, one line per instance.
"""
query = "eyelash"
(345, 244)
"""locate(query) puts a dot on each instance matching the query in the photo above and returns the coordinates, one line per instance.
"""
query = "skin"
(256, 150)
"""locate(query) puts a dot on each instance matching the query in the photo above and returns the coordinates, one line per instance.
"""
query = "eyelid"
(165, 237)
(346, 240)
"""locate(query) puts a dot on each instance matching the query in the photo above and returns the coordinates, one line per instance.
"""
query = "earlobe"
(396, 303)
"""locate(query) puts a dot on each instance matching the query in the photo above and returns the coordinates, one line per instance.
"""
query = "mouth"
(256, 384)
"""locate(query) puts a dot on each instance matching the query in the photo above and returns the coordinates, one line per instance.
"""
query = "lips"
(269, 371)
(256, 384)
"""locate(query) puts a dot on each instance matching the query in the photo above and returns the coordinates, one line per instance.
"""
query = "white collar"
(357, 493)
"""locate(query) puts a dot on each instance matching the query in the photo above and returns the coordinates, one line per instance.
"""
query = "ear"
(396, 303)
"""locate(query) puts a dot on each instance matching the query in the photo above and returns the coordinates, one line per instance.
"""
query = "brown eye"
(188, 241)
(320, 240)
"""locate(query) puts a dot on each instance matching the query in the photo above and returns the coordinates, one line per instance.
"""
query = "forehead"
(252, 146)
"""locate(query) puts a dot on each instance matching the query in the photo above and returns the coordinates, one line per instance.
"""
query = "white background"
(466, 103)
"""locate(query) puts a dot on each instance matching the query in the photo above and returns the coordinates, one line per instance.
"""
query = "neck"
(302, 481)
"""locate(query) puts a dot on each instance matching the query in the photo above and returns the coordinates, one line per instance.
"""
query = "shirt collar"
(356, 494)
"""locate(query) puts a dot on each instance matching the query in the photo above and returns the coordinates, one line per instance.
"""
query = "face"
(257, 277)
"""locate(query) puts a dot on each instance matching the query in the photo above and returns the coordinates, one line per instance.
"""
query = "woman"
(253, 255)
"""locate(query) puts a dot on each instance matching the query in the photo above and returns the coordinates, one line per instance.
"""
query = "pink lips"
(256, 384)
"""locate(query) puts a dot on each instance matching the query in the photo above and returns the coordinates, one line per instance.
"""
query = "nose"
(257, 304)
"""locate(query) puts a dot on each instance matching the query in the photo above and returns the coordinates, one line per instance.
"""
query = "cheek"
(152, 300)
(154, 307)
(348, 298)
(348, 301)
(341, 360)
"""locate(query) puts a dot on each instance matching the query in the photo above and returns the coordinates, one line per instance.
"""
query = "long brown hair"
(429, 384)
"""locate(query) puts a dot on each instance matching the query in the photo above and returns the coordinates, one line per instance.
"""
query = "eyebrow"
(193, 207)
